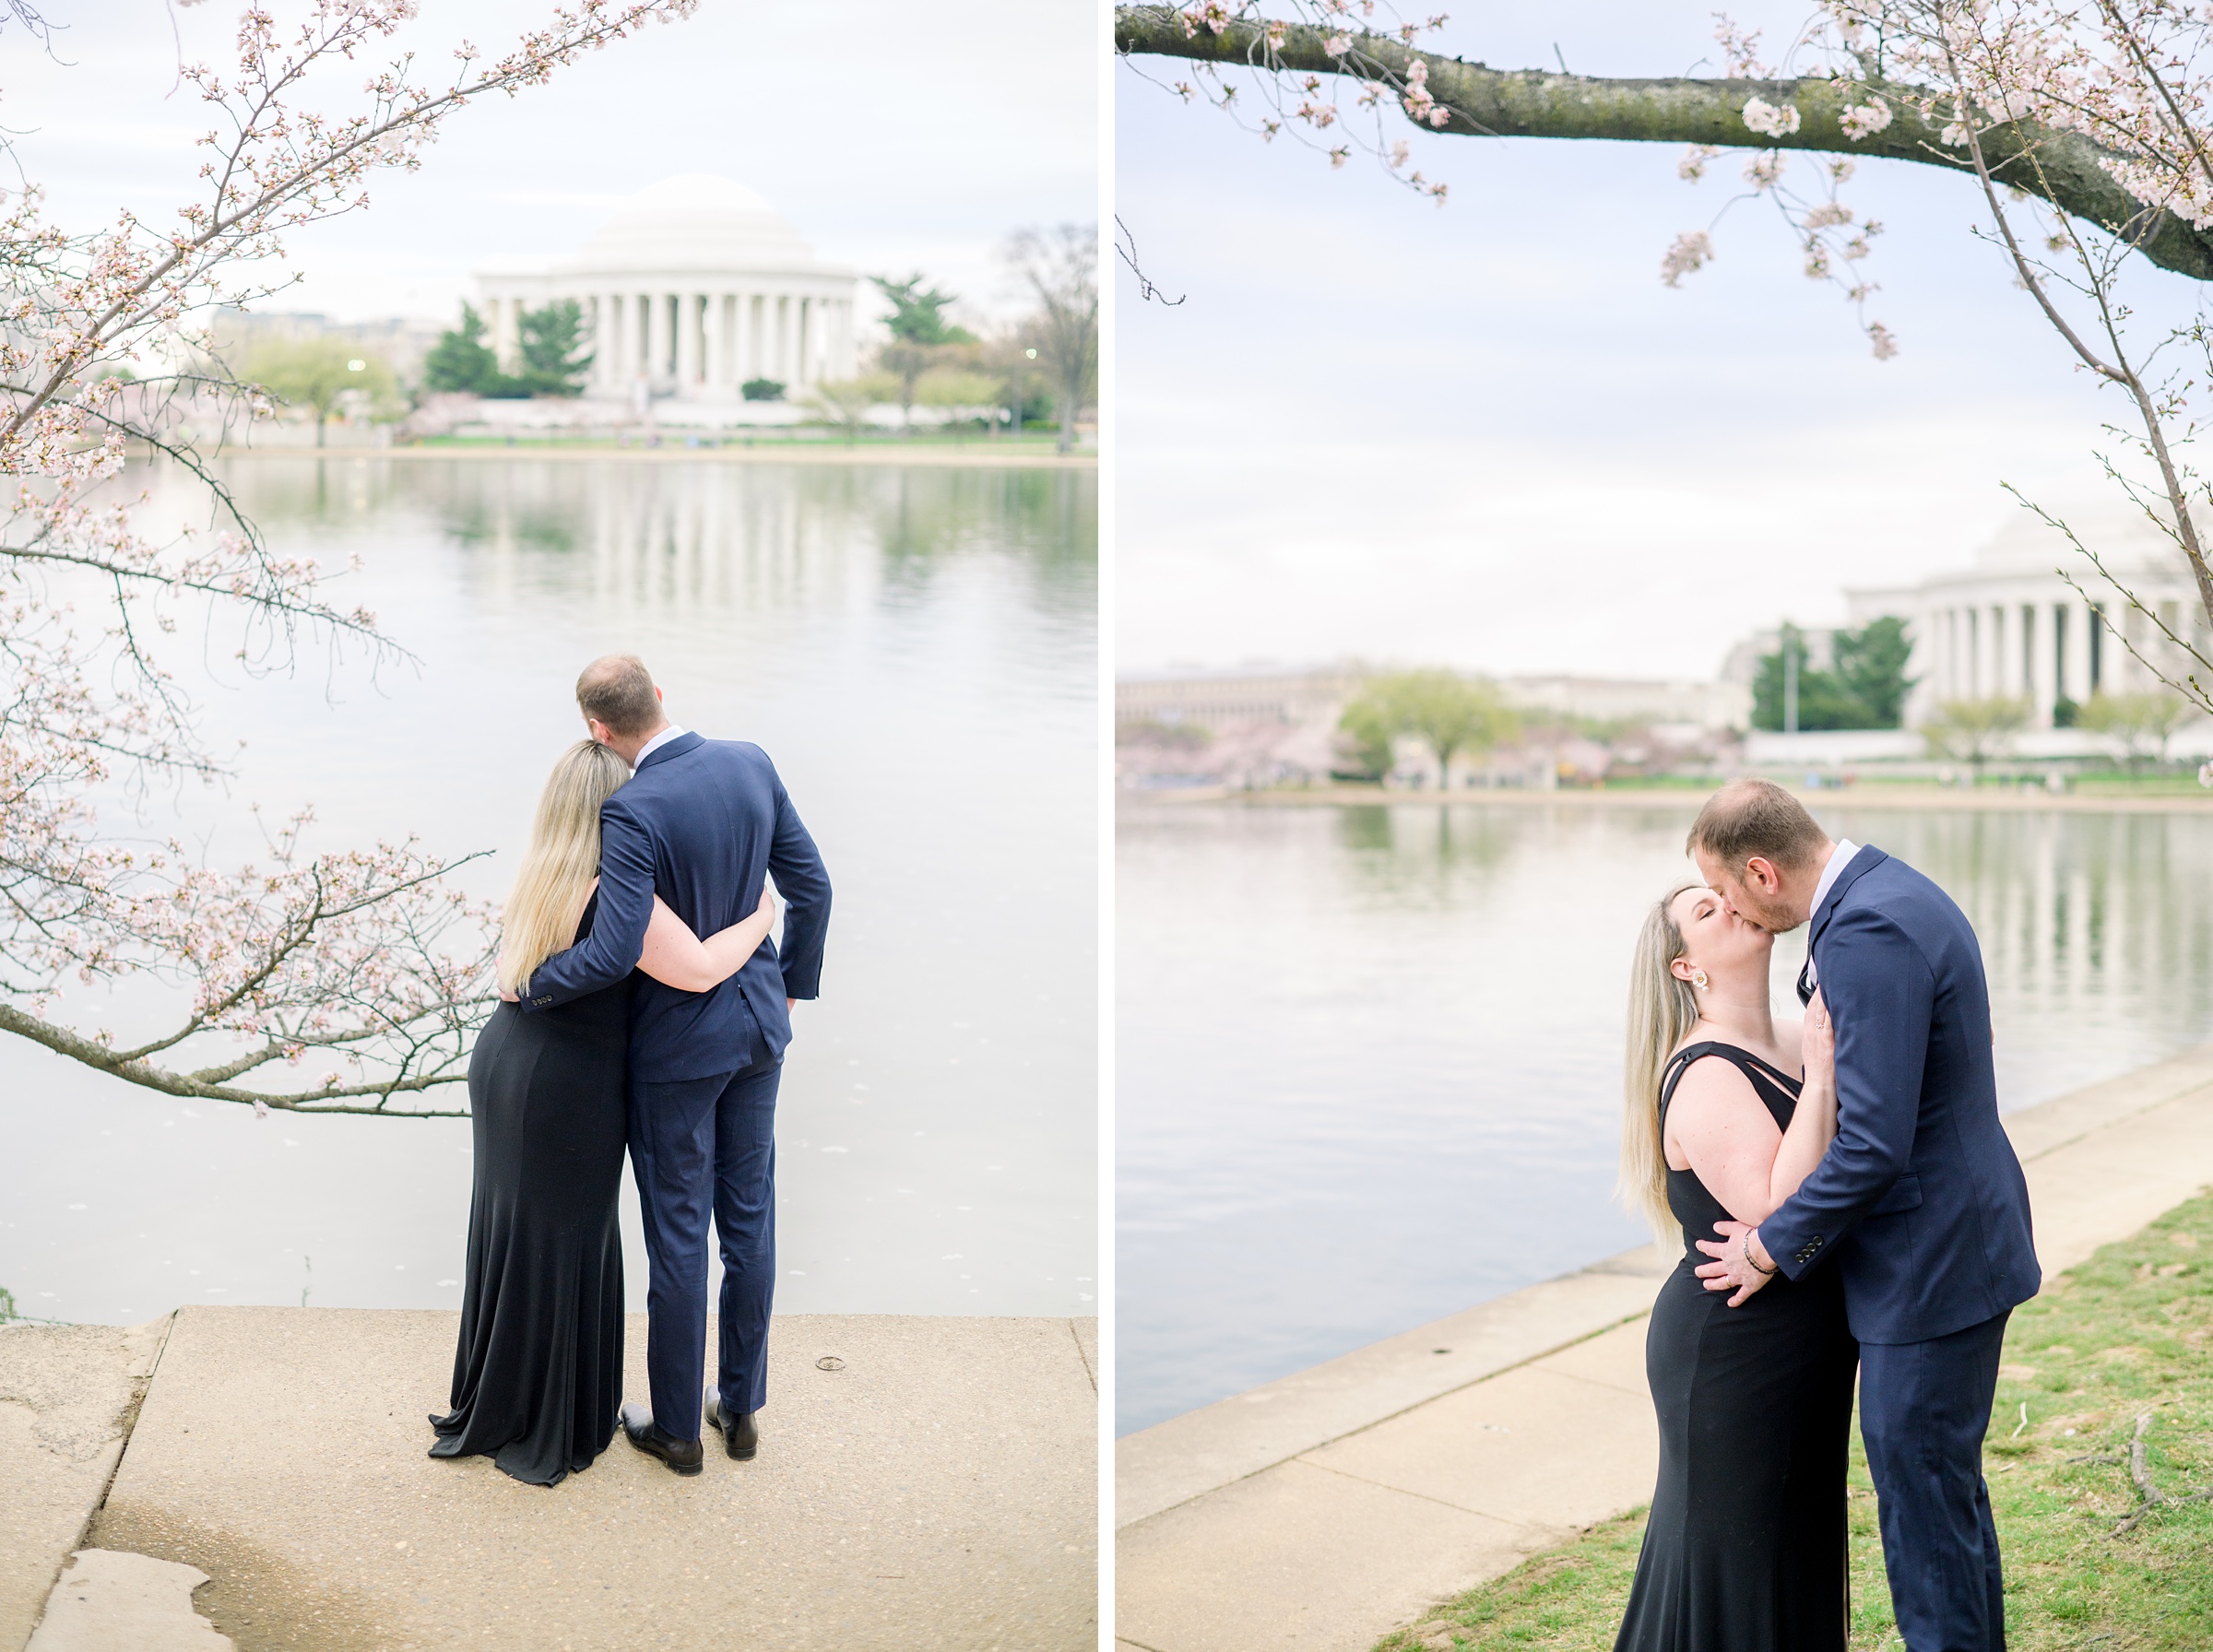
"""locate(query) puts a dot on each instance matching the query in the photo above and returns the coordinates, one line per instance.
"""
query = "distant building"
(1221, 698)
(2009, 625)
(1743, 664)
(1262, 727)
(693, 286)
(400, 342)
(1678, 703)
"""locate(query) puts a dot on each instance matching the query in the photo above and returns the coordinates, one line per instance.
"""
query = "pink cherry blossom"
(317, 978)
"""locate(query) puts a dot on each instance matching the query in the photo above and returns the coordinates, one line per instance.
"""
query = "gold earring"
(1698, 979)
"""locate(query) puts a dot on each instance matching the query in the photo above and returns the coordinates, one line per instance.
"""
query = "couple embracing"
(643, 1008)
(1848, 1199)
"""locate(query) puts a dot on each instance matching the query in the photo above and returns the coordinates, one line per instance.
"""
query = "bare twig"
(2148, 1495)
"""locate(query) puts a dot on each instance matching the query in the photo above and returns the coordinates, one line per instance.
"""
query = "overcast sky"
(895, 137)
(1488, 435)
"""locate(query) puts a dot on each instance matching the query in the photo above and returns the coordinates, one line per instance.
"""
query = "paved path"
(1317, 1513)
(67, 1393)
(1878, 795)
(978, 455)
(922, 1483)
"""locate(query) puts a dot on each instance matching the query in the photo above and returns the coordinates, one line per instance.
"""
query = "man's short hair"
(1748, 818)
(617, 691)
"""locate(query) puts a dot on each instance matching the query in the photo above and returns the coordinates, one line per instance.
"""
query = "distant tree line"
(1043, 368)
(1451, 715)
(1863, 686)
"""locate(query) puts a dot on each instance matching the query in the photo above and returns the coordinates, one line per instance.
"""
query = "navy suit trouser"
(702, 1147)
(1925, 1408)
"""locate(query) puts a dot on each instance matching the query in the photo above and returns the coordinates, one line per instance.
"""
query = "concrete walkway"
(978, 455)
(1320, 1511)
(922, 1483)
(67, 1394)
(1885, 794)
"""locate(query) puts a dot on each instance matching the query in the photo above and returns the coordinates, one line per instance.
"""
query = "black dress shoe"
(740, 1437)
(642, 1431)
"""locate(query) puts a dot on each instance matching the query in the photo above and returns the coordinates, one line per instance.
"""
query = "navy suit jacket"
(1919, 1198)
(699, 824)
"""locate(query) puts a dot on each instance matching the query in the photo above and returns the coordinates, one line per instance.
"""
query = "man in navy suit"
(1920, 1201)
(700, 823)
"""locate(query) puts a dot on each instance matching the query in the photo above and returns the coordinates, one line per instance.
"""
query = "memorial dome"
(695, 220)
(2108, 524)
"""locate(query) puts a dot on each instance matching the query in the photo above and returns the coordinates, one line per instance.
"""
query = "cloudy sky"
(1488, 435)
(895, 137)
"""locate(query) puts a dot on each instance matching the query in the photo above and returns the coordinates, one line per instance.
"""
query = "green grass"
(2130, 1331)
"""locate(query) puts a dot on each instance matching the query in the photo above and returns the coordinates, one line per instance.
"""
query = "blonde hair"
(1661, 1009)
(563, 859)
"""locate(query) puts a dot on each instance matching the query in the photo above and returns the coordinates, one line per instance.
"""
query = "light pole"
(1790, 679)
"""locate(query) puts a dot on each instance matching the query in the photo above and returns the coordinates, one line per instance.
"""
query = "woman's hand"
(766, 910)
(1820, 1047)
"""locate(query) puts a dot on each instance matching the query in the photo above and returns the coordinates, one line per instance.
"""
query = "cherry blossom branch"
(2097, 282)
(344, 981)
(1482, 101)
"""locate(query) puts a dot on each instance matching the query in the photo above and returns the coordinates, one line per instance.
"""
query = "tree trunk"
(1487, 102)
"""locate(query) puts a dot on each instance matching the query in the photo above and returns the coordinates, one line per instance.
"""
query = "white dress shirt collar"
(1839, 858)
(654, 744)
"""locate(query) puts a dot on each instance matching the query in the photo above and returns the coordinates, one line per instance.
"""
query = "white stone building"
(693, 287)
(2009, 625)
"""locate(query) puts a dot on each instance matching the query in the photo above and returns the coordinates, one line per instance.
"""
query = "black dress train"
(538, 1375)
(1746, 1547)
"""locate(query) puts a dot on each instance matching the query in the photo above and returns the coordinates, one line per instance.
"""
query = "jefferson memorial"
(2009, 625)
(693, 287)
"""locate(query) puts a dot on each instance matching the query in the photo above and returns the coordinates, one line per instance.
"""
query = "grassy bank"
(2127, 1335)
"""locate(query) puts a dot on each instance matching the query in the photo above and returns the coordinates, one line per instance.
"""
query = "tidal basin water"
(1370, 1058)
(915, 649)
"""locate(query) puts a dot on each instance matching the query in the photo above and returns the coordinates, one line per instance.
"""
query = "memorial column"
(687, 343)
(714, 368)
(2043, 666)
(658, 347)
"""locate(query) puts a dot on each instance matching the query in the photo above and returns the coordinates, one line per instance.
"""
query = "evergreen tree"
(919, 316)
(461, 360)
(555, 360)
(1871, 662)
(1865, 686)
(920, 333)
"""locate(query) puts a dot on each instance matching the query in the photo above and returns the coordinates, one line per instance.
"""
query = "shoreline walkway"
(1320, 1511)
(1867, 795)
(922, 1483)
(976, 456)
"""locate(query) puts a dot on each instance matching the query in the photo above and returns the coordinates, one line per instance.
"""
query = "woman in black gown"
(1746, 1547)
(538, 1375)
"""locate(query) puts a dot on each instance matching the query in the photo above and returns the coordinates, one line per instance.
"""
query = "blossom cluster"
(1832, 239)
(2013, 89)
(1362, 39)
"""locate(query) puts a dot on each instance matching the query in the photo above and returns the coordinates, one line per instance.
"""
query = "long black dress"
(1746, 1549)
(537, 1375)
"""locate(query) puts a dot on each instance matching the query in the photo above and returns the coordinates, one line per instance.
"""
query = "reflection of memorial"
(2095, 928)
(2009, 625)
(693, 286)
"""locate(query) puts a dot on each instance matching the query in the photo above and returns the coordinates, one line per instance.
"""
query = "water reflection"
(1369, 1057)
(2097, 931)
(914, 648)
